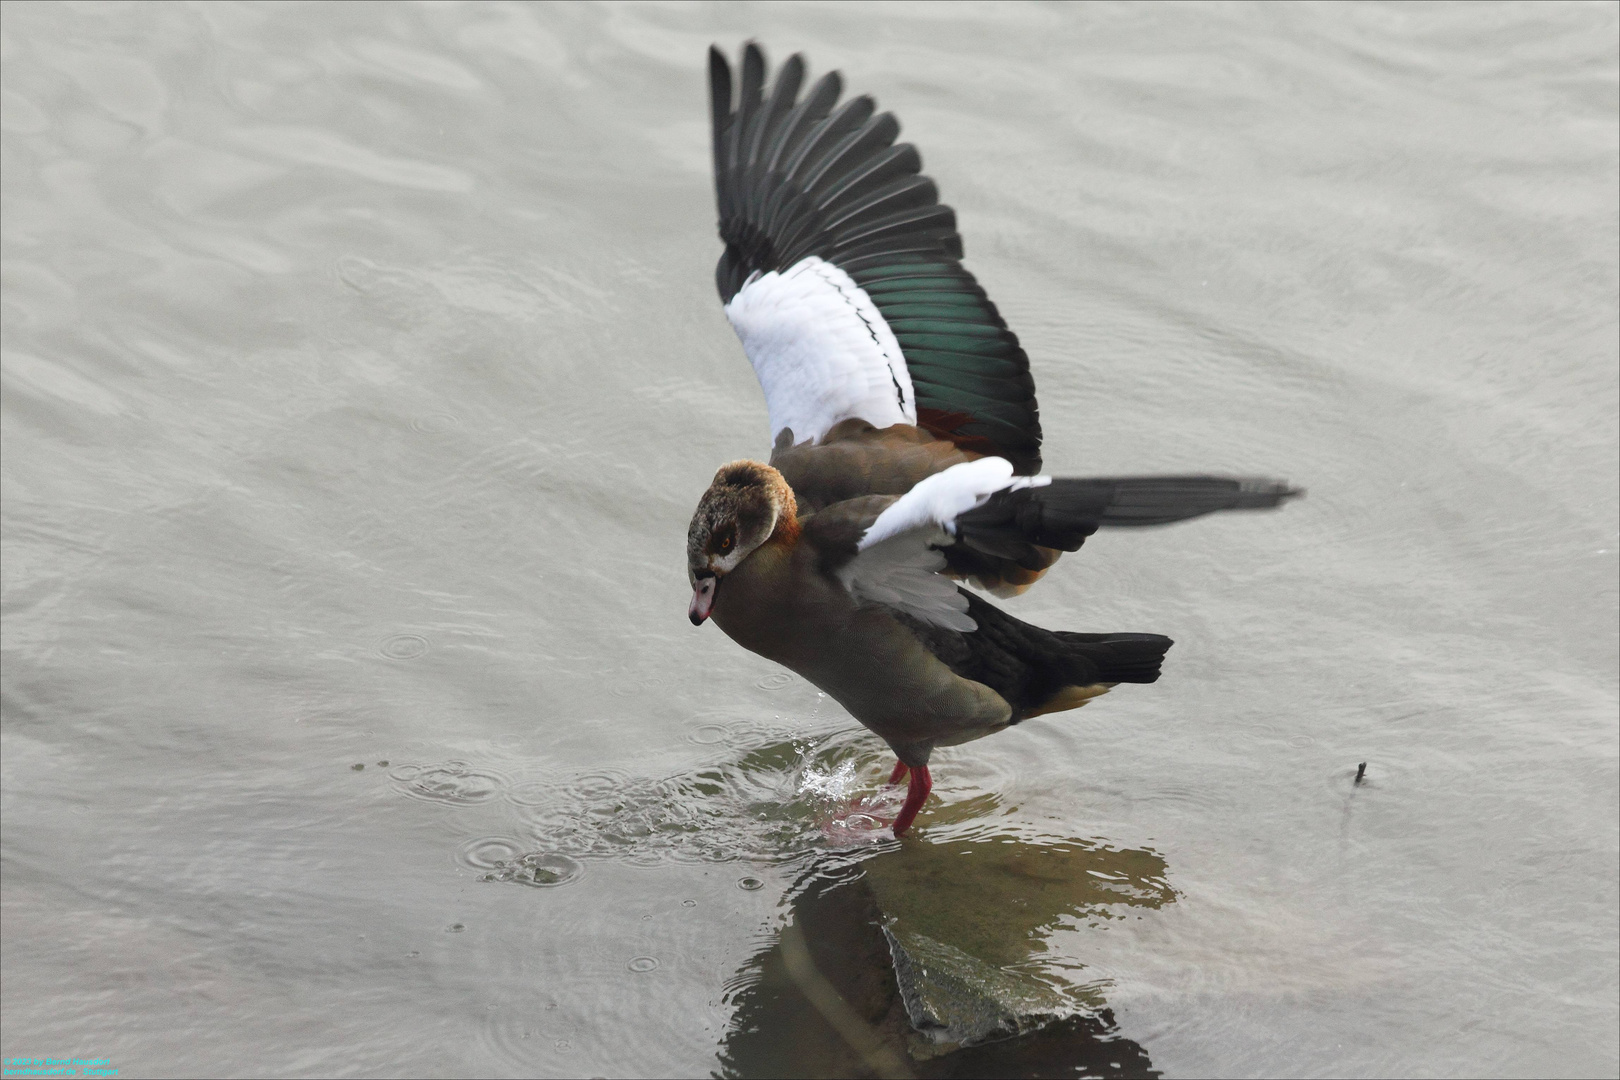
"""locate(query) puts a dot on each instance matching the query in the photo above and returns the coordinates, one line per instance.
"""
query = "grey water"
(362, 366)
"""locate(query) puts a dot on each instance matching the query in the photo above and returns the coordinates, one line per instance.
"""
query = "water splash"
(832, 784)
(781, 801)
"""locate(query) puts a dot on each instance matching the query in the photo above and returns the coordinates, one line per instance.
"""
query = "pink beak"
(702, 600)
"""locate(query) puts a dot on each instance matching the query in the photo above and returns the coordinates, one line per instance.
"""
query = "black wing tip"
(754, 65)
(719, 88)
(1267, 490)
(1063, 513)
(720, 78)
(1262, 493)
(1160, 500)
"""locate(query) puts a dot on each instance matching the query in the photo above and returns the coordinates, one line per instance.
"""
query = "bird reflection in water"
(881, 964)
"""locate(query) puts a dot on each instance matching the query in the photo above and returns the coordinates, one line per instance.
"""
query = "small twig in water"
(1361, 771)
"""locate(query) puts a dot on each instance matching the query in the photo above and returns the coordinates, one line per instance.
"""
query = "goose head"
(741, 510)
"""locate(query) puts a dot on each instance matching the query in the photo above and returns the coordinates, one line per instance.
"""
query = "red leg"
(916, 795)
(899, 772)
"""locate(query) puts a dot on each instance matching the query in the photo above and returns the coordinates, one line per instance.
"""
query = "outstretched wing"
(842, 272)
(1022, 526)
(899, 551)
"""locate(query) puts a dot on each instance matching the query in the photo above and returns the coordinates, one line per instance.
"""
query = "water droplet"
(561, 1044)
(642, 964)
(403, 646)
(545, 871)
(688, 903)
(454, 928)
(413, 952)
(774, 681)
(382, 764)
(750, 884)
(358, 766)
(708, 735)
(1301, 741)
(646, 918)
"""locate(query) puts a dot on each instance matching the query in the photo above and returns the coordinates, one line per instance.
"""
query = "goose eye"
(725, 544)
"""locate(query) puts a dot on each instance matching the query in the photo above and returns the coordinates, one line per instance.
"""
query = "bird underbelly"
(876, 669)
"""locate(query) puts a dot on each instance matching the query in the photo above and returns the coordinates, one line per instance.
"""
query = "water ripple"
(454, 782)
(773, 804)
(403, 646)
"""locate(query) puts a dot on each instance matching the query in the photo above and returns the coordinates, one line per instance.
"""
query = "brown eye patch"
(726, 541)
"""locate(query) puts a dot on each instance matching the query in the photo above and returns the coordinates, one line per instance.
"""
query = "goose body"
(906, 443)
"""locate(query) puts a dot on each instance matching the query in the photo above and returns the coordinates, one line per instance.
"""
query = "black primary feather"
(1060, 515)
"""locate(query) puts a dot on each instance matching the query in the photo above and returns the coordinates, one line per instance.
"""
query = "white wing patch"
(821, 350)
(903, 572)
(898, 561)
(936, 501)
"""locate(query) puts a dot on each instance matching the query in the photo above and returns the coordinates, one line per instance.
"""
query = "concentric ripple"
(403, 646)
(454, 782)
(502, 858)
(489, 852)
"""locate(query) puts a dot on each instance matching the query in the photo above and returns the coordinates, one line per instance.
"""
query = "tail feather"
(1039, 670)
(1117, 658)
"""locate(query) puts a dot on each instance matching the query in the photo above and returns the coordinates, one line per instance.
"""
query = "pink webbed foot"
(856, 821)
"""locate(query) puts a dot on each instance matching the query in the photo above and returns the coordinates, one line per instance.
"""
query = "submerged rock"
(955, 1000)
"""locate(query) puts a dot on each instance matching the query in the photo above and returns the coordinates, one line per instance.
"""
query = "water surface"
(362, 368)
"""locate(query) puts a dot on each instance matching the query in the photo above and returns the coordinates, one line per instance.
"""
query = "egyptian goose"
(906, 443)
